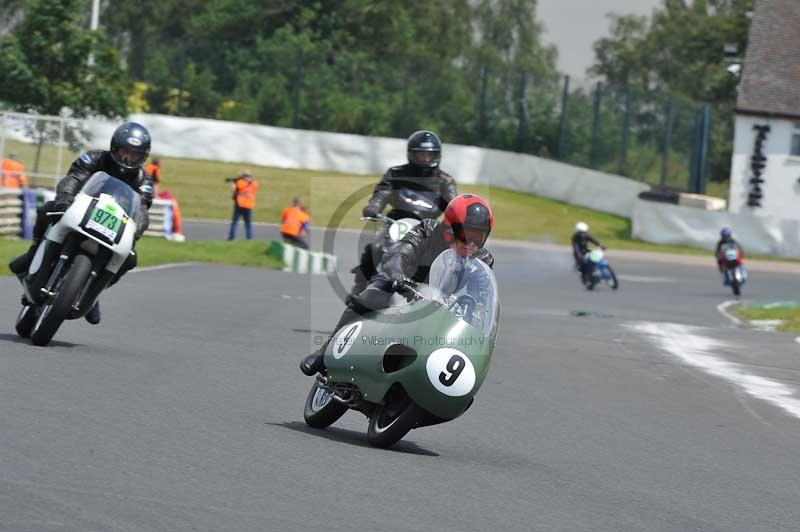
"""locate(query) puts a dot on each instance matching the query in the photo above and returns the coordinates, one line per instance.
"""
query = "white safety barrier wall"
(219, 140)
(664, 223)
(11, 210)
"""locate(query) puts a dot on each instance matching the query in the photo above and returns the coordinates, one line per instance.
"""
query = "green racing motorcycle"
(420, 361)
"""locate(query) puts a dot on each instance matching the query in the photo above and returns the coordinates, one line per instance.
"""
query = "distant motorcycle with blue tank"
(599, 271)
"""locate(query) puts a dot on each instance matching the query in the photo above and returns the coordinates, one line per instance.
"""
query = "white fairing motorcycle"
(79, 257)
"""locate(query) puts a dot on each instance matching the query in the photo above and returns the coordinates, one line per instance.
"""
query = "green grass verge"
(153, 251)
(790, 315)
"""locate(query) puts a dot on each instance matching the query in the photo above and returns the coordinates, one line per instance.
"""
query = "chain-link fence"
(44, 145)
(657, 138)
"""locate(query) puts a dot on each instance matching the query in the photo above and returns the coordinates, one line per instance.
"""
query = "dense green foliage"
(475, 71)
(45, 63)
(679, 51)
(358, 66)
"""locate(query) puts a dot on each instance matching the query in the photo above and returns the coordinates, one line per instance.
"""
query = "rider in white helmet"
(580, 246)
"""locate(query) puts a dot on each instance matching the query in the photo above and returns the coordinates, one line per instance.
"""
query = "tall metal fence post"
(702, 162)
(60, 148)
(626, 134)
(562, 123)
(3, 134)
(404, 119)
(298, 82)
(598, 98)
(667, 141)
(481, 133)
(522, 113)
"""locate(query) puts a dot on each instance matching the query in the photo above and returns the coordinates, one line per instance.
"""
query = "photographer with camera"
(244, 201)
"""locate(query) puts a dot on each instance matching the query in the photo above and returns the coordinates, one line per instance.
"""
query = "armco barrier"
(18, 212)
(11, 210)
(299, 260)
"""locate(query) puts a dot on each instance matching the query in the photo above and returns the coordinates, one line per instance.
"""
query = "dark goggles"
(468, 236)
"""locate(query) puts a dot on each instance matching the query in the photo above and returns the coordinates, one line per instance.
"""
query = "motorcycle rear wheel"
(389, 423)
(54, 313)
(321, 409)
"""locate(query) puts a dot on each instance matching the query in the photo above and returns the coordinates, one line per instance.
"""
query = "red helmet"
(469, 218)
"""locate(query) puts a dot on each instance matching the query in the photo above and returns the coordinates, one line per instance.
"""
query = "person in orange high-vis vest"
(154, 171)
(294, 224)
(244, 201)
(12, 173)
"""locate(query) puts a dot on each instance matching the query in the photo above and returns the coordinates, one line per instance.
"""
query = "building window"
(796, 140)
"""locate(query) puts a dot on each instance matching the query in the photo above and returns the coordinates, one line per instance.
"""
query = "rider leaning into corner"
(130, 146)
(468, 220)
(580, 247)
(422, 173)
(726, 240)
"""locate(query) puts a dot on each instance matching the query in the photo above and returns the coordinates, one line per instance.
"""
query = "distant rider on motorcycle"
(130, 146)
(468, 221)
(422, 173)
(726, 240)
(580, 247)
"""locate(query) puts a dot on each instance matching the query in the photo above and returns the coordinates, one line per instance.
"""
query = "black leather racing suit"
(580, 246)
(79, 173)
(411, 257)
(434, 180)
(439, 186)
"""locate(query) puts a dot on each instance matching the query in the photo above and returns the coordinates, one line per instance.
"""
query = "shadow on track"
(352, 437)
(14, 339)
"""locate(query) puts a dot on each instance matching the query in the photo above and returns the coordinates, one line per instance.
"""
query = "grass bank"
(153, 251)
(790, 315)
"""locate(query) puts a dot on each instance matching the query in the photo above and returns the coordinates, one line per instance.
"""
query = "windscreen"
(467, 287)
(423, 202)
(123, 194)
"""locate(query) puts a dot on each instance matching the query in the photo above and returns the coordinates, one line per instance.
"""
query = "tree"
(679, 52)
(45, 66)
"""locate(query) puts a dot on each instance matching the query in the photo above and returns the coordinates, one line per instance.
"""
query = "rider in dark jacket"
(726, 240)
(580, 247)
(130, 146)
(467, 223)
(422, 174)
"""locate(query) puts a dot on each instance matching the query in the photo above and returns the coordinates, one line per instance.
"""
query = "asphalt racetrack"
(643, 409)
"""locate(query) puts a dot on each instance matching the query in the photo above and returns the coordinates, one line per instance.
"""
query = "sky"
(574, 25)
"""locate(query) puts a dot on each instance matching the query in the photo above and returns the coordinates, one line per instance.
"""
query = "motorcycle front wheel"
(55, 312)
(389, 423)
(25, 321)
(612, 279)
(321, 409)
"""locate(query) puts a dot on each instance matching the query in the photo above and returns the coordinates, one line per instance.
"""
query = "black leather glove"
(370, 211)
(60, 204)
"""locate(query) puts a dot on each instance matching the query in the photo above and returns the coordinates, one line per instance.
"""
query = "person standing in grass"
(244, 201)
(294, 224)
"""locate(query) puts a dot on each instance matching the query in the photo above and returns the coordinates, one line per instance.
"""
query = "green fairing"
(362, 364)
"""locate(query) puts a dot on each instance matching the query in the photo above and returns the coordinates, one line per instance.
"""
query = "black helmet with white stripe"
(424, 149)
(130, 146)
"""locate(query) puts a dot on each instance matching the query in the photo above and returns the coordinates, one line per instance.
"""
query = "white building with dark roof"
(765, 172)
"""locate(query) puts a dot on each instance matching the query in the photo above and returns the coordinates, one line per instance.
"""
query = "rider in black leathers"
(130, 146)
(468, 222)
(422, 173)
(580, 247)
